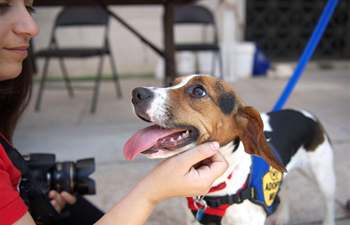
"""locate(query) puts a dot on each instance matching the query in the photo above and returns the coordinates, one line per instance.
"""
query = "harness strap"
(239, 197)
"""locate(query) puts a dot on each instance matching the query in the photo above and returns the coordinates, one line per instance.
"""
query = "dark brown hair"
(14, 97)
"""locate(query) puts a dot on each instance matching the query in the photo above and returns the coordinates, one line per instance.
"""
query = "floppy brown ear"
(251, 133)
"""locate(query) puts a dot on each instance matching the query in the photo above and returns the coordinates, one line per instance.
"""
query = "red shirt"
(12, 207)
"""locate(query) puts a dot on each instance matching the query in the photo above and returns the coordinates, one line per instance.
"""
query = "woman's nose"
(26, 25)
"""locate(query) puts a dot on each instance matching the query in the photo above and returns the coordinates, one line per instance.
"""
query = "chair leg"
(115, 76)
(197, 64)
(221, 65)
(97, 86)
(42, 84)
(66, 78)
(213, 63)
(32, 58)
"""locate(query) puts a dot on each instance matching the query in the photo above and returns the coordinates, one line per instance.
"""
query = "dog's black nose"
(141, 95)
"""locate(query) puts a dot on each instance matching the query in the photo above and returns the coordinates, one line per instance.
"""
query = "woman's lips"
(21, 51)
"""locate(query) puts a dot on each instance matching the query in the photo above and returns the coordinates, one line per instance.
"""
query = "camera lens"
(63, 177)
(74, 177)
(67, 176)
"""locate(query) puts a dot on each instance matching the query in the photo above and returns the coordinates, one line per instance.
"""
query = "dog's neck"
(239, 166)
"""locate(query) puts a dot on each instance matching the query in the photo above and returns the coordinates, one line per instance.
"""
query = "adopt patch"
(271, 185)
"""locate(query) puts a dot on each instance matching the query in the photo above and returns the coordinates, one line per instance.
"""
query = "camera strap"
(37, 201)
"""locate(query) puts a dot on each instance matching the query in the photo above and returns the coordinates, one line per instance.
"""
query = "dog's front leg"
(246, 213)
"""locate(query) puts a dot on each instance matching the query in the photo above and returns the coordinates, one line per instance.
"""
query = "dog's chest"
(246, 213)
(238, 172)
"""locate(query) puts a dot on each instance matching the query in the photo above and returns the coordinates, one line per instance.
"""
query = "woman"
(16, 29)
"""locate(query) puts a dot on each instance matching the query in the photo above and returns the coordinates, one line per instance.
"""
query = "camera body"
(69, 176)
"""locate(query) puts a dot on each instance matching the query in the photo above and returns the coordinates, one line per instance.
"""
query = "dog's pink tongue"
(145, 139)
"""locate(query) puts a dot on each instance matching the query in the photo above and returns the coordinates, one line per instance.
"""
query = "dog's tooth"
(172, 139)
(179, 138)
(186, 134)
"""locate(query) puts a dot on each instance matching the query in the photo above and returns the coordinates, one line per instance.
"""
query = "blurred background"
(259, 44)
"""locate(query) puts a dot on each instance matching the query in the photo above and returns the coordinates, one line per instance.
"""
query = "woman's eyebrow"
(4, 1)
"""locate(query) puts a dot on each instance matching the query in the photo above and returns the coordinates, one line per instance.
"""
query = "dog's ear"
(251, 133)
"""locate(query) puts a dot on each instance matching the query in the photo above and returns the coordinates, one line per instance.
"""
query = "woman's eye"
(30, 9)
(197, 91)
(4, 8)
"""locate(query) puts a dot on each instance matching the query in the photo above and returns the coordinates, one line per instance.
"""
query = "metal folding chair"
(78, 17)
(201, 16)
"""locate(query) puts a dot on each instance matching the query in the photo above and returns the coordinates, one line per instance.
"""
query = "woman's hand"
(59, 200)
(182, 175)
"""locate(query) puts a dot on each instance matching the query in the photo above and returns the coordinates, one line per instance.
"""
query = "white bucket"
(244, 53)
(238, 60)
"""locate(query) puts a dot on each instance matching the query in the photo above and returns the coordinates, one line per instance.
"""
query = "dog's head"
(194, 110)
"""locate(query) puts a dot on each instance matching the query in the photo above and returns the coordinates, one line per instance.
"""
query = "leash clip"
(200, 205)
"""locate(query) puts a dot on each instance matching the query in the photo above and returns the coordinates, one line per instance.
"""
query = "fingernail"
(214, 145)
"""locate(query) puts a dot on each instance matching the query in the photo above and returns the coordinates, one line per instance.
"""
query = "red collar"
(220, 186)
(219, 211)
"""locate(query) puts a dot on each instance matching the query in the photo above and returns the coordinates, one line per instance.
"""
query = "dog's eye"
(197, 91)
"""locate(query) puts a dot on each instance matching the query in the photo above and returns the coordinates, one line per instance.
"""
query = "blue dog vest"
(262, 187)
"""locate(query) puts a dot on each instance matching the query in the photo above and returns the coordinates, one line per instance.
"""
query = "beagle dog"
(259, 147)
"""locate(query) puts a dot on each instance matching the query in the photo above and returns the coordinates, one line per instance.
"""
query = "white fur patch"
(307, 114)
(158, 110)
(183, 82)
(239, 165)
(265, 118)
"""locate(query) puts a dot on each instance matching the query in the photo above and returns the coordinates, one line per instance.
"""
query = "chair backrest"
(82, 16)
(196, 14)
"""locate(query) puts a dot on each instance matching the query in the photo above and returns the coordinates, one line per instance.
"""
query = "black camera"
(69, 176)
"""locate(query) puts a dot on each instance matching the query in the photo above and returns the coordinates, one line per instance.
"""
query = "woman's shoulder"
(6, 165)
(12, 206)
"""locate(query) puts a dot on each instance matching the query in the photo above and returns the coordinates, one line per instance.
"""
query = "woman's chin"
(10, 71)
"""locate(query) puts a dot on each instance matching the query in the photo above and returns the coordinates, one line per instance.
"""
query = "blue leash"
(308, 51)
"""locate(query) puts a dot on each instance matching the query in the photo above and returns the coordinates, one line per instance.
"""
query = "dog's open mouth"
(159, 142)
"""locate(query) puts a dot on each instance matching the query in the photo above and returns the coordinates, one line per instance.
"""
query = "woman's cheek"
(3, 33)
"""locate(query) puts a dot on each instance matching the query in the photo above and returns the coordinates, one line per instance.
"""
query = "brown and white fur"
(219, 114)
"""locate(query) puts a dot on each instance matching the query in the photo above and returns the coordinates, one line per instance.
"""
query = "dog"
(259, 148)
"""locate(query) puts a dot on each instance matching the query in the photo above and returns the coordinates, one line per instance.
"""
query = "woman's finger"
(52, 194)
(197, 154)
(215, 168)
(61, 202)
(57, 199)
(55, 205)
(70, 199)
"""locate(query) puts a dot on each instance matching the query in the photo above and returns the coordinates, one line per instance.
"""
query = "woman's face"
(17, 27)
